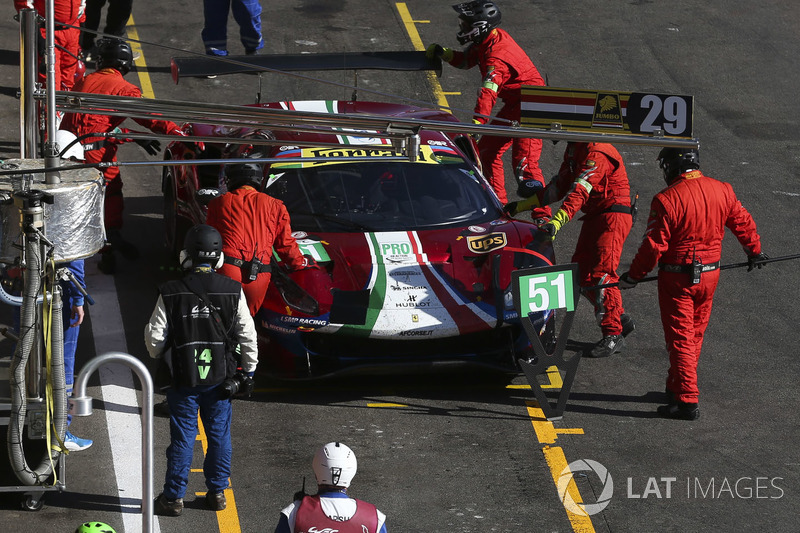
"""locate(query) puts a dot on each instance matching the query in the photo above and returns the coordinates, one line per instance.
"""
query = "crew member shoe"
(163, 506)
(216, 501)
(76, 444)
(628, 325)
(680, 411)
(609, 345)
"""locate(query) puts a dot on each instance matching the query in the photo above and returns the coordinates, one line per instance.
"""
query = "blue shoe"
(76, 444)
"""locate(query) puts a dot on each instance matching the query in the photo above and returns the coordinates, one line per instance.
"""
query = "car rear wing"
(402, 130)
(204, 65)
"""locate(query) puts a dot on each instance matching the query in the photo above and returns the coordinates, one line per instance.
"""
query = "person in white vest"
(331, 509)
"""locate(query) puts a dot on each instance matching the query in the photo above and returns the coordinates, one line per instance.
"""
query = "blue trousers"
(246, 13)
(70, 345)
(184, 404)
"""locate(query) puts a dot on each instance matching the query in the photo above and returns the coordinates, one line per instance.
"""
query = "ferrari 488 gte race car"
(416, 253)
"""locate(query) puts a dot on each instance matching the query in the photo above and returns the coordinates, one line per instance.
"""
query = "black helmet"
(242, 174)
(476, 19)
(202, 245)
(114, 53)
(676, 161)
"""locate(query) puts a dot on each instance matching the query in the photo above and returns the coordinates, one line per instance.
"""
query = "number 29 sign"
(542, 289)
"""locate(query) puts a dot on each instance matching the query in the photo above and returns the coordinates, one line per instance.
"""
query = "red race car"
(416, 253)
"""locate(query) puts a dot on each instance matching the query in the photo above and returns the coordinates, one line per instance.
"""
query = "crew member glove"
(511, 208)
(309, 262)
(556, 223)
(476, 136)
(437, 50)
(626, 281)
(151, 146)
(756, 261)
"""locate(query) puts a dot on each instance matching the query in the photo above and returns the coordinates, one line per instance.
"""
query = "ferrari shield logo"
(484, 244)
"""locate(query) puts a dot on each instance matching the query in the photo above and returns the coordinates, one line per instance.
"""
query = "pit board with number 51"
(545, 288)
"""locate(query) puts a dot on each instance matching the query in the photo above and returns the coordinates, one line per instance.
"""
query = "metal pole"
(82, 406)
(28, 146)
(50, 147)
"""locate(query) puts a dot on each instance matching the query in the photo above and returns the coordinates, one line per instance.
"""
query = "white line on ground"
(117, 389)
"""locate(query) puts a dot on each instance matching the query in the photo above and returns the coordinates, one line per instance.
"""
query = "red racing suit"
(109, 81)
(593, 179)
(251, 224)
(65, 39)
(687, 222)
(505, 67)
(311, 518)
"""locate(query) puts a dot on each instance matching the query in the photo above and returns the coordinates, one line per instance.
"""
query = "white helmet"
(335, 464)
(63, 139)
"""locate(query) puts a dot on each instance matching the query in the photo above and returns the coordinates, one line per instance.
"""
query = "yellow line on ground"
(387, 405)
(545, 431)
(547, 434)
(228, 518)
(144, 77)
(558, 462)
(553, 375)
(555, 378)
(416, 41)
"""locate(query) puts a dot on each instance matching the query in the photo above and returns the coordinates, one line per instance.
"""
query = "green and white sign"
(546, 291)
(546, 288)
(540, 293)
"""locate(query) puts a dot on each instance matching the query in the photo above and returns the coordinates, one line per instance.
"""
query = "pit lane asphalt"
(460, 455)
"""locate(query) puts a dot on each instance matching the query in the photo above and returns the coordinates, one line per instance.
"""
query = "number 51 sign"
(538, 291)
(546, 288)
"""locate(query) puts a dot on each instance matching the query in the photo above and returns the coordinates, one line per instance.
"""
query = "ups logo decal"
(483, 244)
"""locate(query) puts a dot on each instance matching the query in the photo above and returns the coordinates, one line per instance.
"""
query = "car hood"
(411, 284)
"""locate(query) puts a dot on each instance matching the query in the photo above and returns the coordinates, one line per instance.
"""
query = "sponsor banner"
(607, 111)
(425, 155)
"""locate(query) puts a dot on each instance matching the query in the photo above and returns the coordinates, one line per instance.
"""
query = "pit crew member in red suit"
(252, 223)
(114, 61)
(684, 237)
(593, 179)
(331, 509)
(504, 67)
(65, 39)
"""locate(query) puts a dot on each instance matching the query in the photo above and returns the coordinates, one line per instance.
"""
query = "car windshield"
(385, 196)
